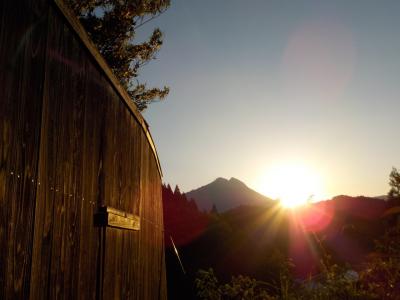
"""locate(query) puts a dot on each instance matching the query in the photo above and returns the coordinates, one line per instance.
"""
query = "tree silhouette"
(112, 25)
(214, 209)
(394, 182)
(177, 191)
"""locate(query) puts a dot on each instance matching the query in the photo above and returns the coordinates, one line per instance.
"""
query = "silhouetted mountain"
(226, 194)
(360, 206)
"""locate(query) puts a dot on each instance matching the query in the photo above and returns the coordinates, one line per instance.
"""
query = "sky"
(258, 86)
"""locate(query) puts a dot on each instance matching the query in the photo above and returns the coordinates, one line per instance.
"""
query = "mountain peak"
(220, 179)
(226, 194)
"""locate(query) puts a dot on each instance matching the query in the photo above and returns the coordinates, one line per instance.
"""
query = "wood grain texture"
(70, 145)
(91, 47)
(22, 54)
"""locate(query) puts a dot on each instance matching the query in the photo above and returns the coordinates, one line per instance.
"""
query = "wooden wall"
(71, 143)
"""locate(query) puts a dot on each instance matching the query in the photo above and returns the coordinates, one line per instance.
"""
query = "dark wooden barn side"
(72, 146)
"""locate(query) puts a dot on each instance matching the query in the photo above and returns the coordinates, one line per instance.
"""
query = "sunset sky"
(257, 85)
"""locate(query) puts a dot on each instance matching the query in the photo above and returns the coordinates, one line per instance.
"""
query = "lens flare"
(293, 184)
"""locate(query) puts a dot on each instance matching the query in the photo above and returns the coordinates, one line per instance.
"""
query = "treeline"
(183, 221)
(183, 224)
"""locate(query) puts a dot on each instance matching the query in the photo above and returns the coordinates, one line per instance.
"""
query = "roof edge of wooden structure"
(91, 47)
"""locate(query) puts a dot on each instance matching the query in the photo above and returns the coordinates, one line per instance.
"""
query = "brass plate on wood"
(112, 217)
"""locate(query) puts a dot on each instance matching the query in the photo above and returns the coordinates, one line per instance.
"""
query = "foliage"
(112, 25)
(244, 287)
(334, 282)
(381, 276)
(207, 285)
(394, 182)
(331, 284)
(240, 287)
(379, 279)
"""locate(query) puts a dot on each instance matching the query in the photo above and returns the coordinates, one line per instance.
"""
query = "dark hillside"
(254, 240)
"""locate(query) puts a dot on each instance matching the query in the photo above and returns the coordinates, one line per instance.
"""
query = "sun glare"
(293, 184)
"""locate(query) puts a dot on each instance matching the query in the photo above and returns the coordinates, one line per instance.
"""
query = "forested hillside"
(258, 241)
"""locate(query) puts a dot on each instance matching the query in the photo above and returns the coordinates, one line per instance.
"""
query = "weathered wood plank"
(22, 50)
(58, 233)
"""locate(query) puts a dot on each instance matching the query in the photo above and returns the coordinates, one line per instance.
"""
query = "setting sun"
(292, 184)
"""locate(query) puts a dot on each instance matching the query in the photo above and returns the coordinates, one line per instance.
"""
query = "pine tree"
(394, 182)
(177, 191)
(112, 25)
(214, 210)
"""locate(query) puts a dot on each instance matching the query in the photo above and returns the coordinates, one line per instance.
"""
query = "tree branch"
(148, 20)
